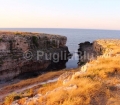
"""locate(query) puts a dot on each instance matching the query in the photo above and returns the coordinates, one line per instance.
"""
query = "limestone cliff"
(103, 47)
(19, 52)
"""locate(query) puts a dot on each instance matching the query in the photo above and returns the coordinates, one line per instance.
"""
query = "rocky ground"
(96, 83)
(18, 85)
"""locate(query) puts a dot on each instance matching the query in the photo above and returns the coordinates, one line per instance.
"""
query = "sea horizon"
(61, 28)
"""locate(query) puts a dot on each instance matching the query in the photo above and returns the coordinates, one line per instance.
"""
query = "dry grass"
(28, 82)
(95, 87)
(105, 67)
(86, 93)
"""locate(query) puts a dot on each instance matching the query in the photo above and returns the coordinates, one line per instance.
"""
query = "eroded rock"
(22, 52)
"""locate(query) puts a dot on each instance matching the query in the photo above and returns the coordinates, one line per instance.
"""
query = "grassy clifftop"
(96, 83)
(107, 46)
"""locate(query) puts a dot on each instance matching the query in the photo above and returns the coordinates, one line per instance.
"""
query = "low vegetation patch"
(35, 41)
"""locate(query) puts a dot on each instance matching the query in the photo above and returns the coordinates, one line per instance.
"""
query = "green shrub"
(82, 63)
(0, 39)
(11, 44)
(11, 97)
(35, 41)
(1, 61)
(54, 43)
(29, 92)
(17, 33)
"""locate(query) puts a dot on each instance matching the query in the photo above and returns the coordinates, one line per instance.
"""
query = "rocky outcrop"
(86, 52)
(84, 46)
(22, 52)
(104, 47)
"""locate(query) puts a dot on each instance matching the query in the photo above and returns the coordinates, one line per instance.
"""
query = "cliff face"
(104, 47)
(27, 52)
(86, 52)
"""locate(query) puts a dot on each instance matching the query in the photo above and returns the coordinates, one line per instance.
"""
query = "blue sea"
(74, 37)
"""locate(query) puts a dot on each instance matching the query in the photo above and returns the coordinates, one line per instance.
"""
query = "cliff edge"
(22, 52)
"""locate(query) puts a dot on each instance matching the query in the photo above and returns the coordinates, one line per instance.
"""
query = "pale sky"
(90, 14)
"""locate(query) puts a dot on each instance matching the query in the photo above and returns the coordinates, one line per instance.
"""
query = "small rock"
(66, 75)
(118, 86)
(71, 87)
(15, 103)
(76, 75)
(38, 95)
(65, 81)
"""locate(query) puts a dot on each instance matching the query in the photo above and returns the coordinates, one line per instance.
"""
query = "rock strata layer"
(22, 52)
